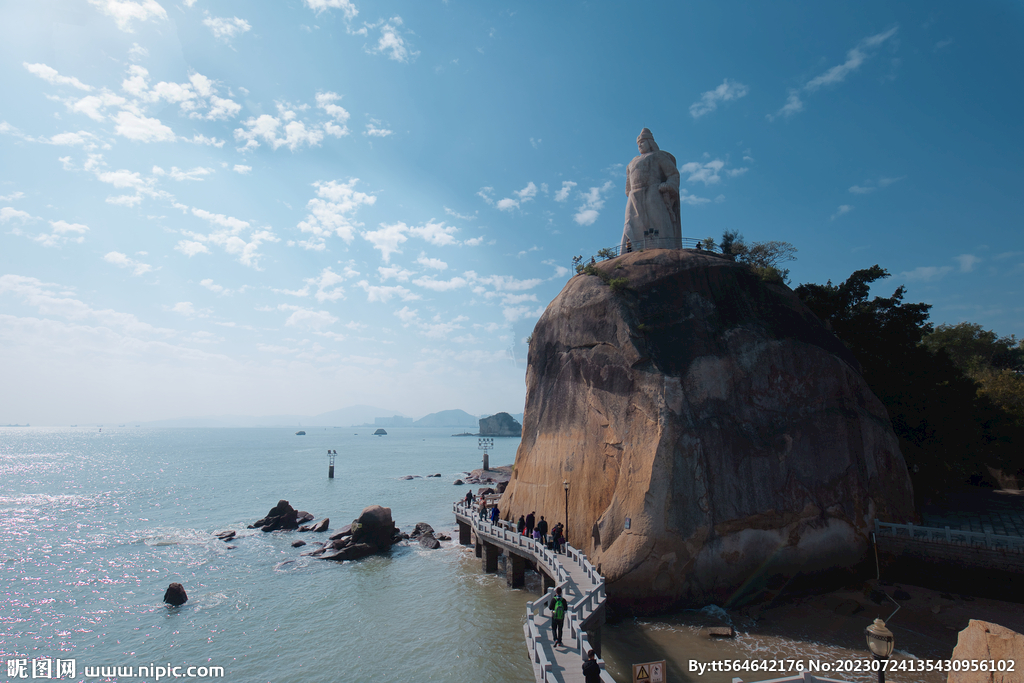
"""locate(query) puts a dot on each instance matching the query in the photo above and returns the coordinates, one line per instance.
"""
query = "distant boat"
(380, 432)
(300, 433)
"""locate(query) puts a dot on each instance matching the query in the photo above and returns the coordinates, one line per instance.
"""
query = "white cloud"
(243, 169)
(704, 173)
(390, 42)
(63, 227)
(184, 308)
(225, 29)
(507, 204)
(436, 264)
(50, 75)
(857, 189)
(136, 52)
(926, 273)
(325, 101)
(736, 172)
(844, 209)
(397, 272)
(123, 261)
(311, 320)
(266, 127)
(515, 313)
(345, 6)
(333, 211)
(406, 315)
(125, 200)
(231, 237)
(386, 293)
(593, 202)
(728, 90)
(328, 285)
(504, 283)
(387, 239)
(93, 105)
(203, 140)
(428, 282)
(190, 248)
(456, 214)
(837, 74)
(9, 213)
(142, 128)
(487, 194)
(125, 12)
(527, 193)
(176, 173)
(11, 197)
(563, 193)
(373, 131)
(967, 262)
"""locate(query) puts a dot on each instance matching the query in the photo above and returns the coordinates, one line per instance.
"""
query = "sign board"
(649, 672)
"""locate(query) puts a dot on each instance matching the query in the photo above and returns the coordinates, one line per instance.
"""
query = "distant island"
(353, 416)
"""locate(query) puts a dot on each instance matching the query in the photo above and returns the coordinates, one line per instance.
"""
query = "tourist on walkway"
(530, 523)
(469, 498)
(558, 606)
(536, 536)
(591, 669)
(556, 537)
(521, 525)
(542, 527)
(495, 514)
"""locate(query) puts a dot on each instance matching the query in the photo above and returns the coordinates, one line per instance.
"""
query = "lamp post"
(881, 643)
(566, 485)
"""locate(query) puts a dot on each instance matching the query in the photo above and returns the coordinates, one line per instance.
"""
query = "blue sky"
(220, 207)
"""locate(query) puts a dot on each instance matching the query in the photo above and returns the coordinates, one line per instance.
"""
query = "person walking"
(591, 669)
(521, 525)
(556, 537)
(558, 606)
(530, 523)
(494, 514)
(469, 498)
(542, 527)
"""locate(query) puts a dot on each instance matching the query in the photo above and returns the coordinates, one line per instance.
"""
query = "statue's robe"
(647, 208)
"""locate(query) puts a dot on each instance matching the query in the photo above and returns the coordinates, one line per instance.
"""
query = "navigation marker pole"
(330, 469)
(484, 445)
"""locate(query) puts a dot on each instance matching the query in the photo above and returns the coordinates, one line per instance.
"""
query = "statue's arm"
(671, 173)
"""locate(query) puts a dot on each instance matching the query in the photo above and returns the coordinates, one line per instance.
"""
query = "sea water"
(94, 525)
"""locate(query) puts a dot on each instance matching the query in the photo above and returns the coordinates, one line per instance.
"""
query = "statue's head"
(645, 141)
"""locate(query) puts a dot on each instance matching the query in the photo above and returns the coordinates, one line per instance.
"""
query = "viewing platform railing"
(913, 532)
(584, 599)
(579, 262)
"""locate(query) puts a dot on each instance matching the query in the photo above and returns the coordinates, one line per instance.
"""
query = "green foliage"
(709, 243)
(732, 242)
(591, 269)
(606, 253)
(948, 433)
(973, 348)
(618, 283)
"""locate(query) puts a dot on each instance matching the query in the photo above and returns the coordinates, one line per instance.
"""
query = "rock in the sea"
(428, 541)
(501, 424)
(303, 517)
(372, 532)
(421, 529)
(298, 544)
(458, 482)
(713, 432)
(983, 641)
(343, 531)
(433, 475)
(225, 535)
(281, 516)
(175, 595)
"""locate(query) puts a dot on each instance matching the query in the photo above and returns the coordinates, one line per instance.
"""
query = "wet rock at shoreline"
(298, 544)
(281, 517)
(225, 535)
(175, 595)
(372, 532)
(319, 526)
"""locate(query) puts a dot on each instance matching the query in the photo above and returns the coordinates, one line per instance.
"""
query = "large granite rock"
(982, 641)
(372, 532)
(716, 417)
(500, 424)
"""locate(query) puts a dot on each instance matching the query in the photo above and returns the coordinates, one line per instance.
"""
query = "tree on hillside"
(764, 258)
(948, 433)
(995, 363)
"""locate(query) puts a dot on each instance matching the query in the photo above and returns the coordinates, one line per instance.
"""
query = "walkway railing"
(579, 262)
(1014, 544)
(584, 600)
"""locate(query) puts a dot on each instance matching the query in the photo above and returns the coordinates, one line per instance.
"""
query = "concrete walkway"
(582, 587)
(978, 509)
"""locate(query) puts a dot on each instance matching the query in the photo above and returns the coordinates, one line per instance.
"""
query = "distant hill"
(447, 418)
(518, 417)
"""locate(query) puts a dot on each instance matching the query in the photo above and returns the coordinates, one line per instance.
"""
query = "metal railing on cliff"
(653, 242)
(592, 597)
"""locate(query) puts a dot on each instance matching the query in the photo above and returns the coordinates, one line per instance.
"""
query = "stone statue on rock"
(652, 199)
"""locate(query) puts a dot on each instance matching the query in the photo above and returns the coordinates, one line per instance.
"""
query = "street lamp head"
(566, 485)
(880, 639)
